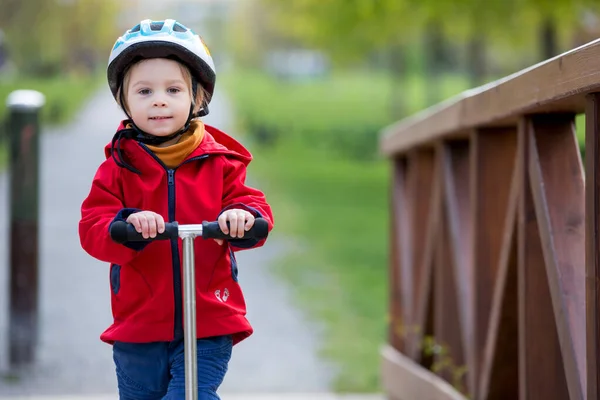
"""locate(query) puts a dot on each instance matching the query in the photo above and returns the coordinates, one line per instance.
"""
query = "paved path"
(74, 288)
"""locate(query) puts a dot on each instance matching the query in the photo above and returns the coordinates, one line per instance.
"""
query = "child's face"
(158, 96)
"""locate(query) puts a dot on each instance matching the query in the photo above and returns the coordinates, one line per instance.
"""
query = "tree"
(351, 30)
(556, 22)
(347, 29)
(46, 36)
(90, 32)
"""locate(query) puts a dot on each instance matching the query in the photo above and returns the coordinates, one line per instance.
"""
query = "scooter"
(122, 232)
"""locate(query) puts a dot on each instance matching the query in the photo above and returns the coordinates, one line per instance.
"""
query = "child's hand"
(239, 222)
(147, 223)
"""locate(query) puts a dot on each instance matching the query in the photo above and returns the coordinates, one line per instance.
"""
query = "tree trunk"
(435, 61)
(476, 60)
(548, 39)
(396, 68)
(9, 9)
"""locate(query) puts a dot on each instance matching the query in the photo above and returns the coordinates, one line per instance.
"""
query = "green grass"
(315, 147)
(3, 155)
(337, 210)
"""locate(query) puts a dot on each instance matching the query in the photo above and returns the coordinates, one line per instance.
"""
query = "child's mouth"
(159, 118)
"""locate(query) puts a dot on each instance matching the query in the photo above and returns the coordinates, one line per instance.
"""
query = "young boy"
(164, 164)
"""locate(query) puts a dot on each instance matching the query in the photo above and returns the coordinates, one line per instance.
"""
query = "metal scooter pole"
(122, 232)
(188, 233)
(189, 315)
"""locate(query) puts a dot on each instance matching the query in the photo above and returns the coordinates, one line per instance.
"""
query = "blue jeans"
(154, 371)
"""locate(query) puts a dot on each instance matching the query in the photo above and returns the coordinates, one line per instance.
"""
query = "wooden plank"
(541, 372)
(422, 181)
(403, 379)
(424, 286)
(557, 186)
(499, 366)
(423, 127)
(493, 157)
(449, 360)
(398, 211)
(592, 249)
(403, 206)
(573, 75)
(455, 165)
(503, 375)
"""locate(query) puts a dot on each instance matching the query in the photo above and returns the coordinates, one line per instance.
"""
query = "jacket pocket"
(115, 278)
(234, 267)
(131, 292)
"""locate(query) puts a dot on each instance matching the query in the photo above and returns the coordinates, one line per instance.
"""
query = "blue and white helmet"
(168, 38)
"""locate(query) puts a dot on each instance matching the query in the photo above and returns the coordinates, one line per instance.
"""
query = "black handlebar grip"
(260, 230)
(122, 232)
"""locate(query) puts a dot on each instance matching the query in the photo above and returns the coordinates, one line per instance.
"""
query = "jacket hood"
(214, 141)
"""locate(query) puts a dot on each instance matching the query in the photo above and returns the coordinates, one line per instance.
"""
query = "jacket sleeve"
(236, 194)
(103, 206)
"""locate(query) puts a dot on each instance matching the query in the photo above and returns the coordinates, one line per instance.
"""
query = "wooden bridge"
(494, 264)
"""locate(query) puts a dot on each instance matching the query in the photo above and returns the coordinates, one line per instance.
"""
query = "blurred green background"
(312, 83)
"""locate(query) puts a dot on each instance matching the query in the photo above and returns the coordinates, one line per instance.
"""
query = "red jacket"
(146, 278)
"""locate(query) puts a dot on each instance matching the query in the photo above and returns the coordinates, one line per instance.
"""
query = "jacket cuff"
(243, 243)
(122, 216)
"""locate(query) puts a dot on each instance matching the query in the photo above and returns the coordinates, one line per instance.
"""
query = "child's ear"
(199, 101)
(122, 104)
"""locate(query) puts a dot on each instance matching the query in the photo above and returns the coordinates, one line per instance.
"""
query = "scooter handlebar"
(260, 230)
(122, 232)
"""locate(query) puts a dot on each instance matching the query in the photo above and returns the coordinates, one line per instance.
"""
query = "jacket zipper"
(176, 262)
(178, 322)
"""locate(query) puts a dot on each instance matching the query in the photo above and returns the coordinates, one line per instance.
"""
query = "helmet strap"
(153, 140)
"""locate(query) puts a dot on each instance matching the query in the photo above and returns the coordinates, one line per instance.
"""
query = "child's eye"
(174, 90)
(144, 91)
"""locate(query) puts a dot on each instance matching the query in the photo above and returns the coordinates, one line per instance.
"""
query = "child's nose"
(159, 101)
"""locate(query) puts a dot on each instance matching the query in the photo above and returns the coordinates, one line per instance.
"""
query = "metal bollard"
(23, 138)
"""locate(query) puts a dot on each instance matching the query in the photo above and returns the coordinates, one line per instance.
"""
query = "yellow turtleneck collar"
(172, 156)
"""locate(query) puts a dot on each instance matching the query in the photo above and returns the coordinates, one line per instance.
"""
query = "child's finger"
(160, 223)
(219, 241)
(151, 218)
(223, 222)
(144, 225)
(134, 220)
(249, 221)
(233, 224)
(241, 220)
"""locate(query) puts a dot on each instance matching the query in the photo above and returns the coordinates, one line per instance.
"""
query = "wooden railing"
(494, 264)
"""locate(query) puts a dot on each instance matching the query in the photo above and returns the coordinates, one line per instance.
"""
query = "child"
(164, 164)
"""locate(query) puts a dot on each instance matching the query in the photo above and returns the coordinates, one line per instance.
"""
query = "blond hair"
(202, 96)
